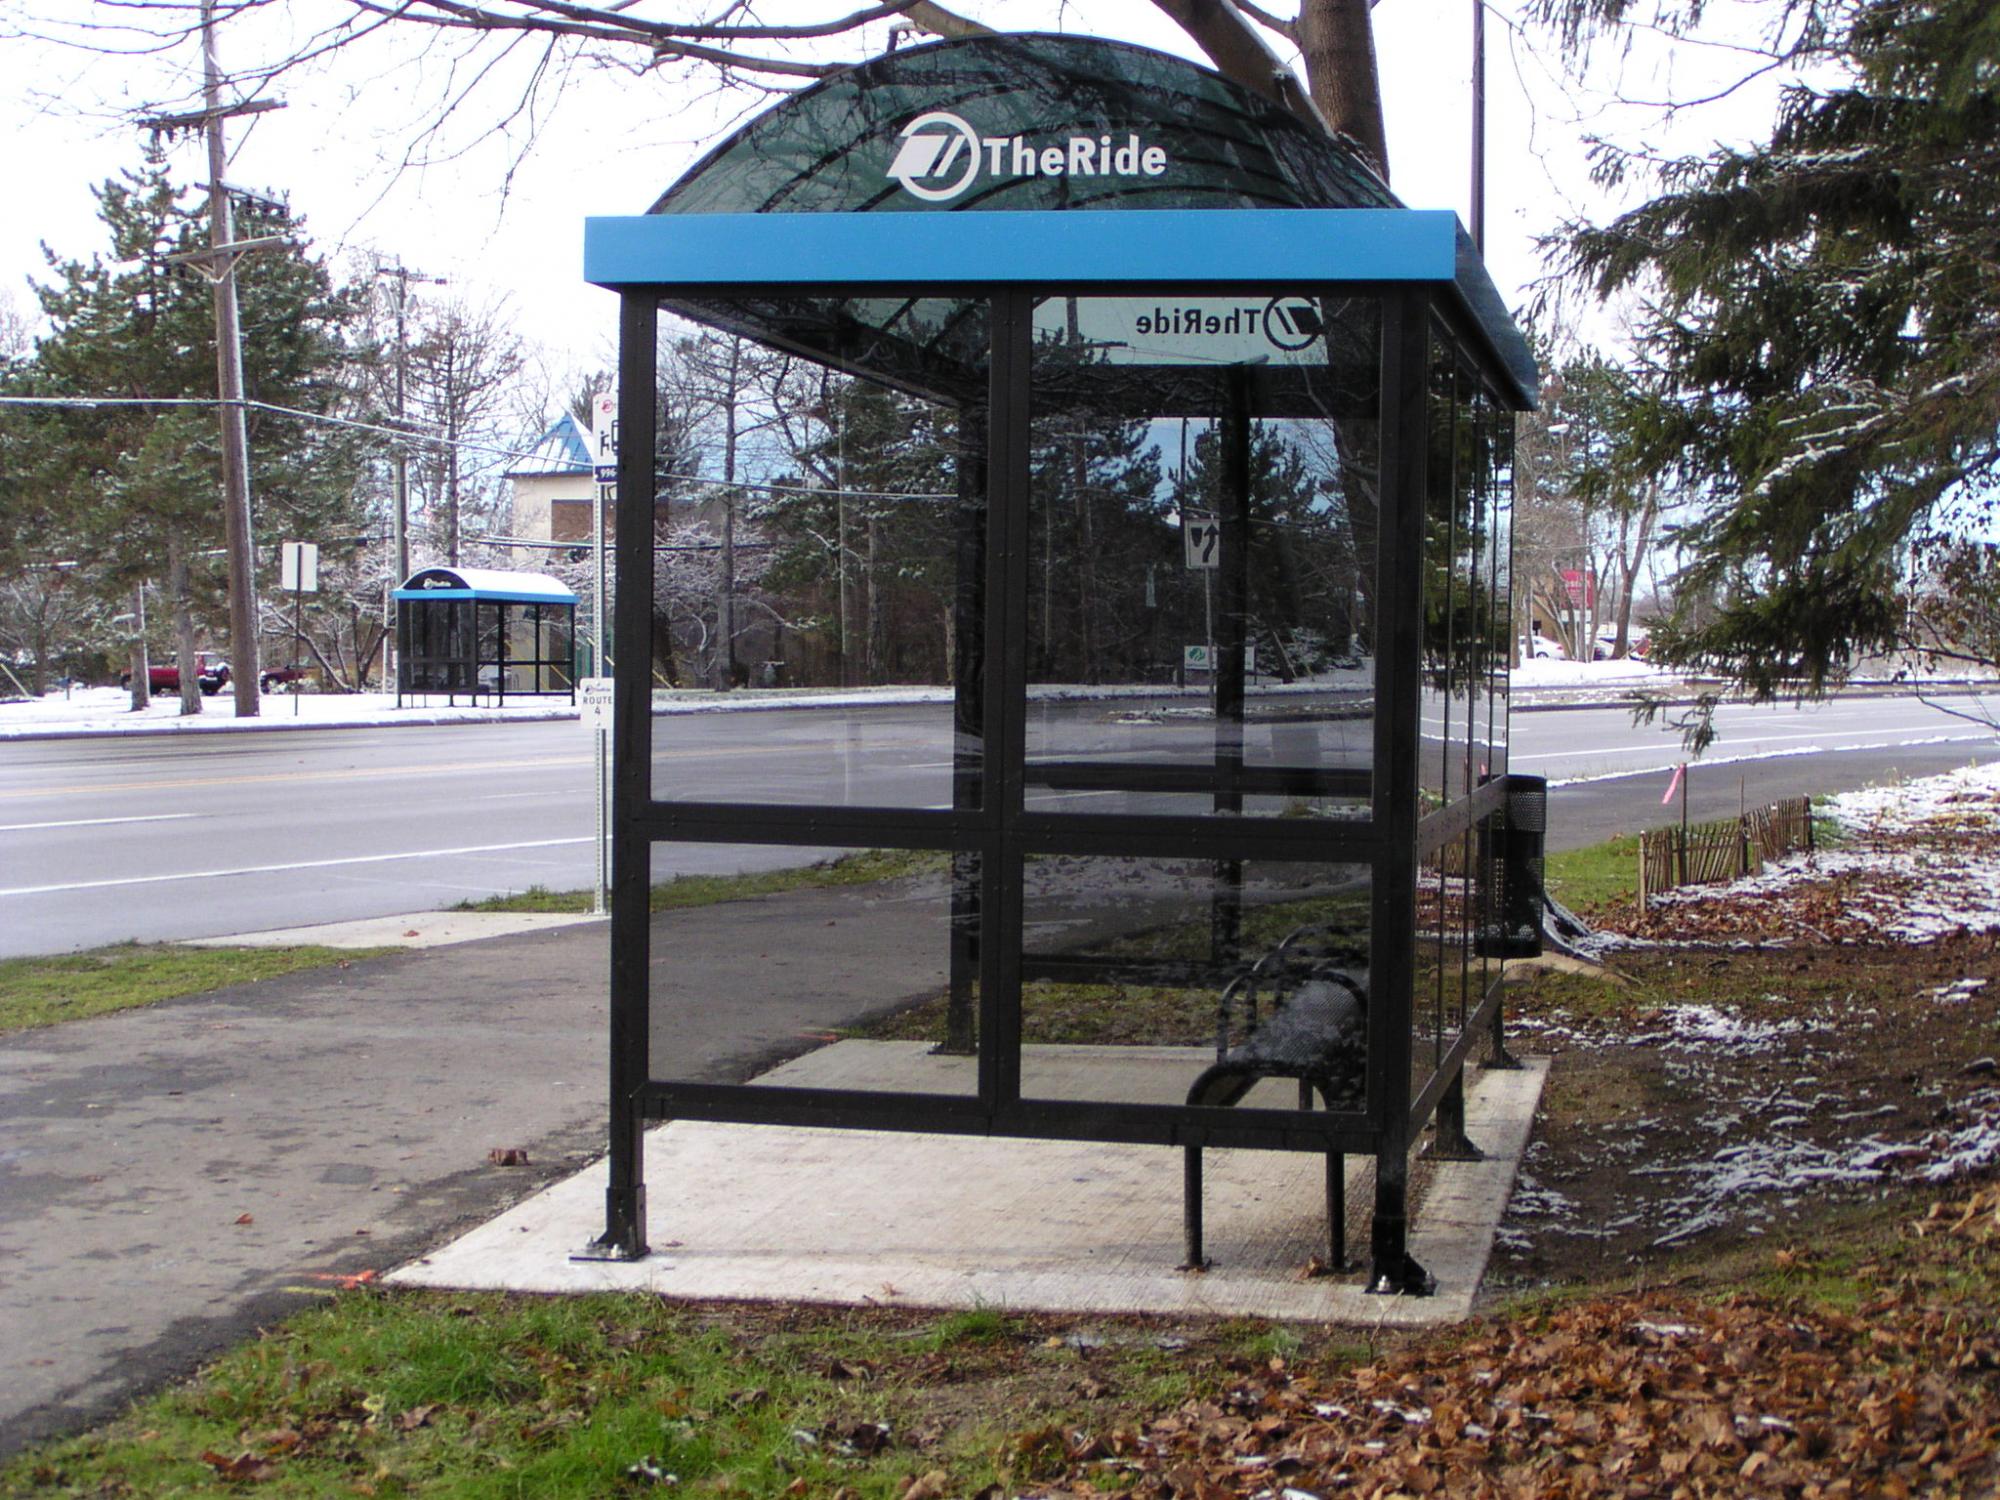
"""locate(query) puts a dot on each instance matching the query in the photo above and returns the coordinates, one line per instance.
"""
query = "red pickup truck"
(211, 675)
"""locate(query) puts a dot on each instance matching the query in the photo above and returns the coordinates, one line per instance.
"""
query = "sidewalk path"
(174, 1177)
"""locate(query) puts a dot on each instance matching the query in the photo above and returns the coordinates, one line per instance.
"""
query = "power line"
(411, 435)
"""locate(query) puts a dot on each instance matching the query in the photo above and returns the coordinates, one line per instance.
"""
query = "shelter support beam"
(968, 754)
(624, 1236)
(1399, 666)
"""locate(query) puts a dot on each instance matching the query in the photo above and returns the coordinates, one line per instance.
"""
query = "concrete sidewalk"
(871, 1218)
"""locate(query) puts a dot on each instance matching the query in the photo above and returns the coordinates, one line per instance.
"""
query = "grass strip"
(1595, 874)
(418, 1393)
(74, 986)
(863, 867)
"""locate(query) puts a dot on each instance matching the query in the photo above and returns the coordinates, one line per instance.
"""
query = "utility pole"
(400, 520)
(229, 386)
(218, 264)
(402, 275)
(1479, 126)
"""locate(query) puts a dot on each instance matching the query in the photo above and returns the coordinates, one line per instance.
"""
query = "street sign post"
(604, 477)
(298, 570)
(298, 567)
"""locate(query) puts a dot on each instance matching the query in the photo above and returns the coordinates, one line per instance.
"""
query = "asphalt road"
(151, 838)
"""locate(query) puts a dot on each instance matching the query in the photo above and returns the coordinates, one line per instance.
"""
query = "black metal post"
(1230, 667)
(1398, 679)
(968, 753)
(624, 1235)
(1010, 383)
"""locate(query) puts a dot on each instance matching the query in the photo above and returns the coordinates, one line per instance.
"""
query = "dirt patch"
(1729, 1097)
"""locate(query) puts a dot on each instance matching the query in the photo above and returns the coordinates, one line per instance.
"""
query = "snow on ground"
(1964, 800)
(1927, 848)
(1544, 672)
(1920, 860)
(108, 710)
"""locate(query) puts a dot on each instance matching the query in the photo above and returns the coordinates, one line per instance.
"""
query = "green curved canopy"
(1014, 124)
(829, 148)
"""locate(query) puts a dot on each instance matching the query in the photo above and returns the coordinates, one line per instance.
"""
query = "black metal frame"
(988, 831)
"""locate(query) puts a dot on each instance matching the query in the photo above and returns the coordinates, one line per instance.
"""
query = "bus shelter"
(485, 634)
(1192, 452)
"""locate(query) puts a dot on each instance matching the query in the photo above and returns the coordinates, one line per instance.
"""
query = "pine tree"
(138, 486)
(1824, 318)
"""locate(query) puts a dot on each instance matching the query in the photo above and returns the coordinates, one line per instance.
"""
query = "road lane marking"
(94, 822)
(304, 864)
(1762, 739)
(351, 773)
(1731, 760)
(357, 773)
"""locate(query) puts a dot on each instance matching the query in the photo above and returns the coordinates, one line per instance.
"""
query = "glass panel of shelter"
(1189, 652)
(857, 559)
(1203, 483)
(1462, 721)
(857, 540)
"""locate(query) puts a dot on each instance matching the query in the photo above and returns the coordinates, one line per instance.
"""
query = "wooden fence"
(1712, 853)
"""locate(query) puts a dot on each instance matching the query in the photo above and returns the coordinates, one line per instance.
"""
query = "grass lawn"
(864, 867)
(74, 986)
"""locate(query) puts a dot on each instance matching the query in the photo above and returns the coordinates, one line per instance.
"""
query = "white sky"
(612, 141)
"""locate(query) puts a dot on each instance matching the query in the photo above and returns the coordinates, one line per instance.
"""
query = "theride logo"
(1288, 323)
(941, 156)
(1293, 322)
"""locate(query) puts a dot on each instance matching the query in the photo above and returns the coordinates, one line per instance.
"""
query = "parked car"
(288, 676)
(1636, 645)
(1544, 648)
(211, 675)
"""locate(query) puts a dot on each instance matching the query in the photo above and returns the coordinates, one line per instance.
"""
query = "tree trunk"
(725, 602)
(184, 651)
(1628, 568)
(1338, 44)
(142, 669)
(875, 640)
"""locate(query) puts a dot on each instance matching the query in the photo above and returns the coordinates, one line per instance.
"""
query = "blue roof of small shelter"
(492, 585)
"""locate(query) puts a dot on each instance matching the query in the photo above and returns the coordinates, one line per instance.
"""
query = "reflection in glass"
(1201, 556)
(736, 996)
(843, 548)
(1143, 977)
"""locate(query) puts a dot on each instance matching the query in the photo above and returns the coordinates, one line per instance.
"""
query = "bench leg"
(1497, 1055)
(1336, 1211)
(1191, 1210)
(1450, 1143)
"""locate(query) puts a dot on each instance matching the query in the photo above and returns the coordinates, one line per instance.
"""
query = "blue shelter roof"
(489, 584)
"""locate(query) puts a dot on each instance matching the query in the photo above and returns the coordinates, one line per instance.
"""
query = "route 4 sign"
(1202, 536)
(593, 702)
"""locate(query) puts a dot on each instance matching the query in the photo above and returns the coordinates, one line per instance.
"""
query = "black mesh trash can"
(1522, 844)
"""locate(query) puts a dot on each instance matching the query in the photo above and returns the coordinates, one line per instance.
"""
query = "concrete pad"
(791, 1214)
(424, 929)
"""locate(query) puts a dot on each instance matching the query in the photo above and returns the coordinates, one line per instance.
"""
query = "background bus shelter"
(485, 635)
(1324, 389)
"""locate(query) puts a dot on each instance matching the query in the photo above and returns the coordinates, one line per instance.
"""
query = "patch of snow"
(1958, 992)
